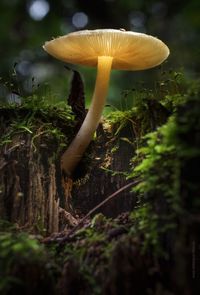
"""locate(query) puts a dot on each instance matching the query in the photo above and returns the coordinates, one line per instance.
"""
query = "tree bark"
(31, 190)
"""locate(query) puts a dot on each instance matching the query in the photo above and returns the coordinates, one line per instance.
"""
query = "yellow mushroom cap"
(130, 50)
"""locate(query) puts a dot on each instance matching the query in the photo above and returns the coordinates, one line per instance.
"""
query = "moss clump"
(168, 194)
(36, 117)
(24, 267)
(88, 256)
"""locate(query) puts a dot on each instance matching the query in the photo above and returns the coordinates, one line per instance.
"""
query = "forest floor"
(144, 240)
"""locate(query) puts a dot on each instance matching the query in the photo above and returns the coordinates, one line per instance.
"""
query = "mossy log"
(32, 191)
(31, 185)
(31, 188)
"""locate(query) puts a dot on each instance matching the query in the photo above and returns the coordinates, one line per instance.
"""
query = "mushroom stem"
(74, 152)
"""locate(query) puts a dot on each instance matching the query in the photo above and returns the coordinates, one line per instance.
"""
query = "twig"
(73, 230)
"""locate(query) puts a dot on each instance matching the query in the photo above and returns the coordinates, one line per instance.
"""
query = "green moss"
(36, 117)
(165, 164)
(24, 264)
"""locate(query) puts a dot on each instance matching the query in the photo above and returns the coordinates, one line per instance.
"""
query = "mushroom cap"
(130, 50)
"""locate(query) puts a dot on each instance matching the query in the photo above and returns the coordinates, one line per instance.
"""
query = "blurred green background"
(27, 24)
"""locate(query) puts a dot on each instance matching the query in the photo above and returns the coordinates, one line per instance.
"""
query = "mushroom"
(105, 49)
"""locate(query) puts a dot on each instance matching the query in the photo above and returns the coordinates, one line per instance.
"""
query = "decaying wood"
(81, 222)
(29, 193)
(34, 194)
(113, 151)
(31, 187)
(105, 174)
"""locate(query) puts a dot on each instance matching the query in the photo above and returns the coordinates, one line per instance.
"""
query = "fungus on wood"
(105, 49)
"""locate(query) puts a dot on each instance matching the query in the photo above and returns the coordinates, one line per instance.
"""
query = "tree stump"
(31, 190)
(32, 193)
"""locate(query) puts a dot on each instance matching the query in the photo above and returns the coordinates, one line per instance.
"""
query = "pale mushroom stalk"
(75, 151)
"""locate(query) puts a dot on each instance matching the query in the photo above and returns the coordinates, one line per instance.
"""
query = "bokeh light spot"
(23, 68)
(137, 21)
(38, 9)
(80, 19)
